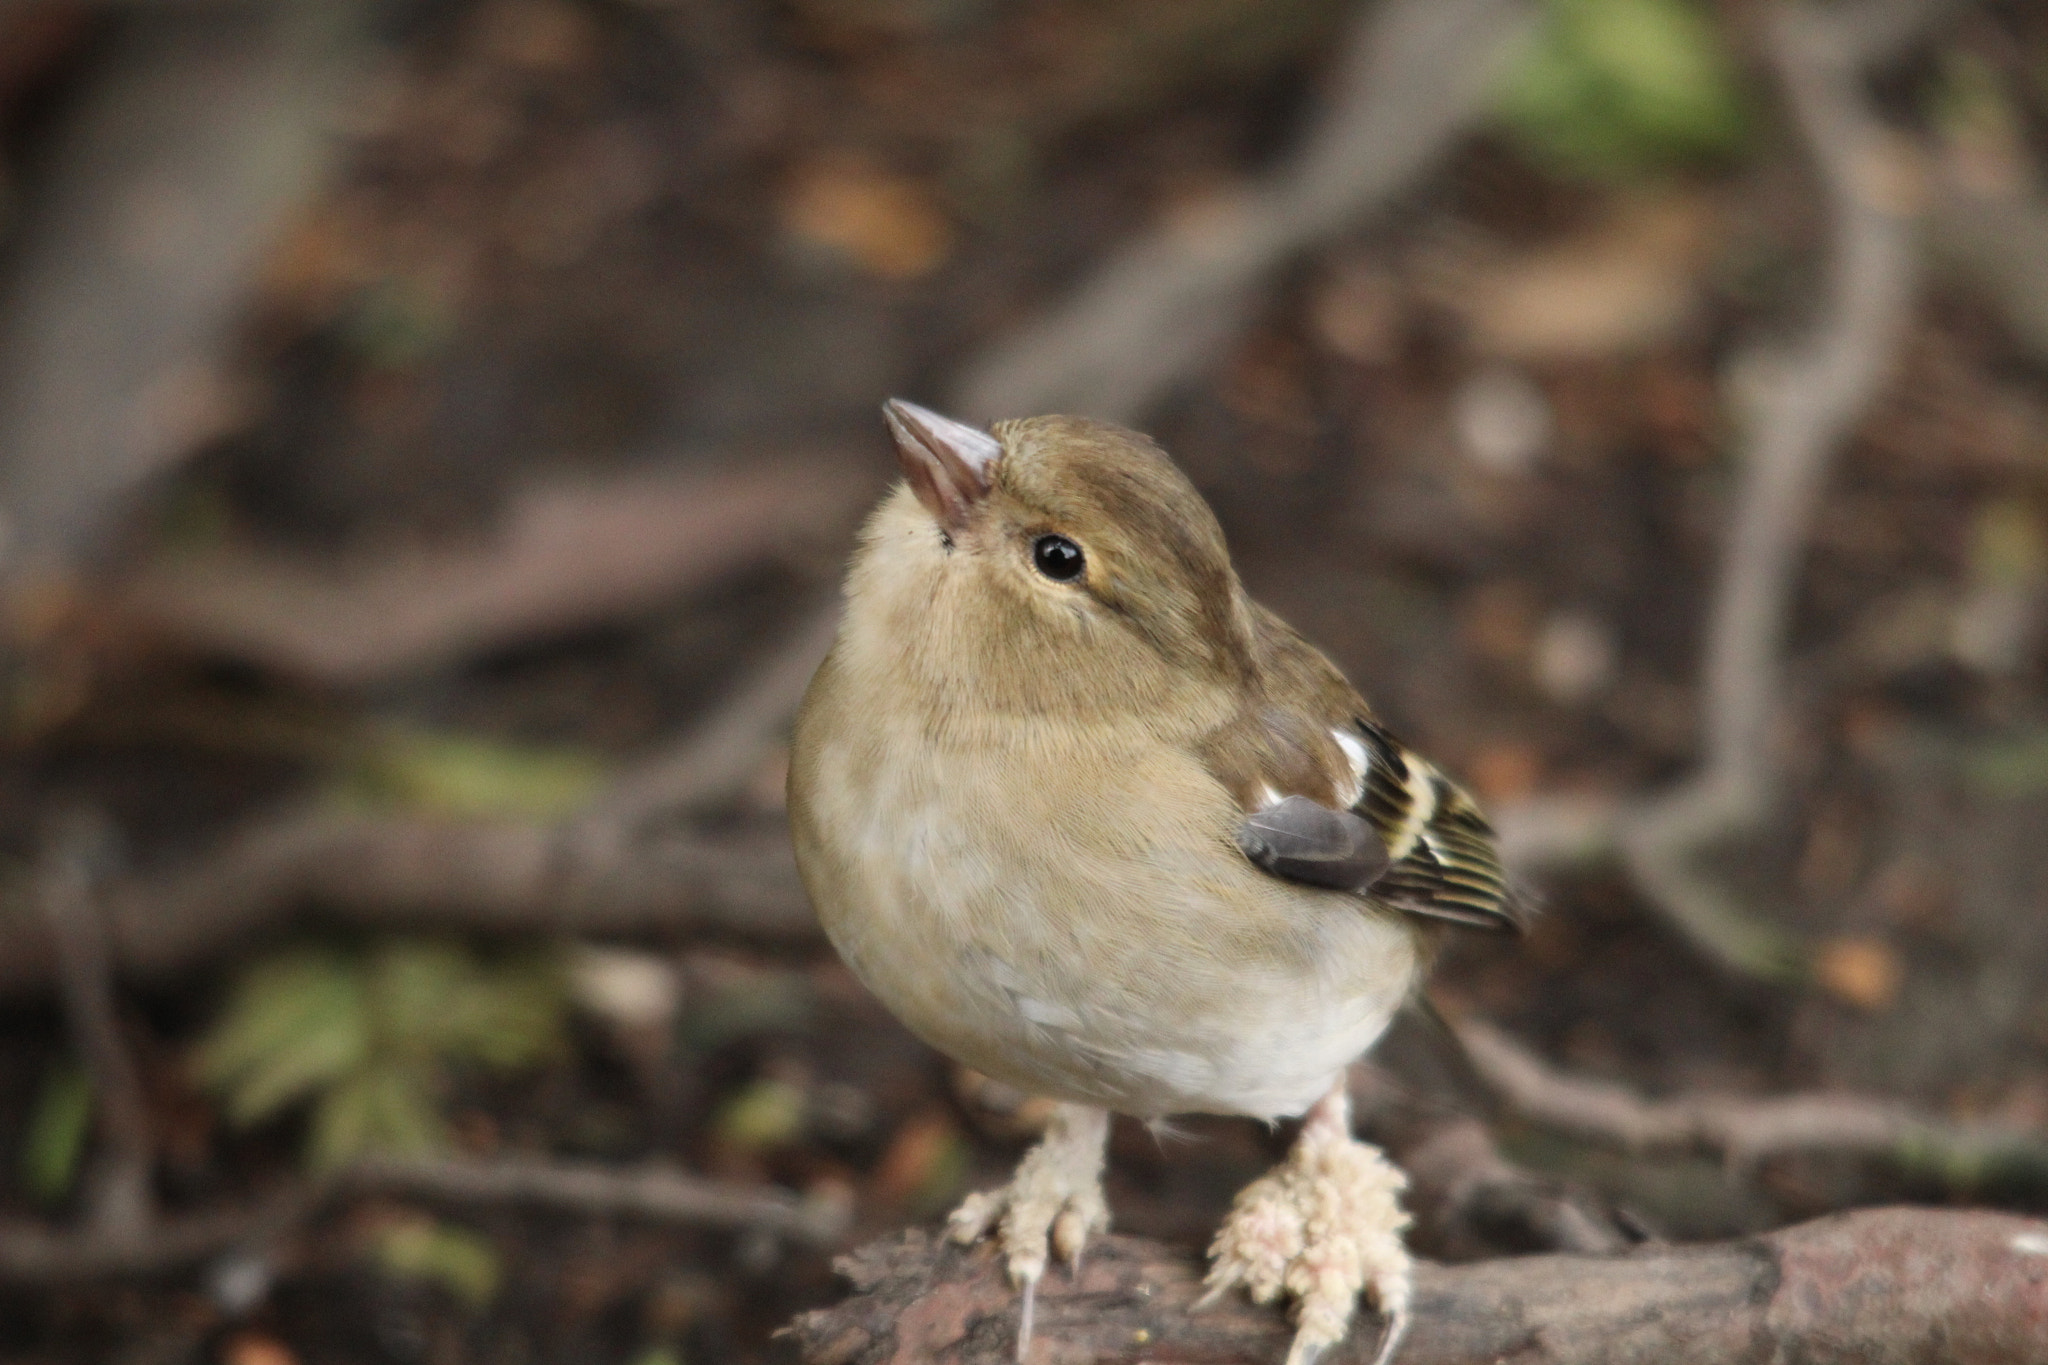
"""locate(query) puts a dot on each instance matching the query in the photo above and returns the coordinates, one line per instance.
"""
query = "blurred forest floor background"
(430, 434)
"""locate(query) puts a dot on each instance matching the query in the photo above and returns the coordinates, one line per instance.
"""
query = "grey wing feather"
(1306, 841)
(1413, 841)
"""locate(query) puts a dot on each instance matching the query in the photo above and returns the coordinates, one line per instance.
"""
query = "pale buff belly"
(1103, 953)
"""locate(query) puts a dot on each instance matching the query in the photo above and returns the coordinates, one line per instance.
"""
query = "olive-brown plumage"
(1091, 821)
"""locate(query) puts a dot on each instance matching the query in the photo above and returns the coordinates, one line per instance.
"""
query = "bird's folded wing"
(1412, 839)
(1443, 859)
(1306, 841)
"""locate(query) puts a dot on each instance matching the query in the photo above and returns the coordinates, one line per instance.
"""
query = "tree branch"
(1805, 413)
(622, 867)
(564, 553)
(711, 762)
(1743, 1130)
(1807, 405)
(657, 1193)
(492, 876)
(1469, 1201)
(36, 1255)
(1875, 1287)
(120, 1204)
(1416, 78)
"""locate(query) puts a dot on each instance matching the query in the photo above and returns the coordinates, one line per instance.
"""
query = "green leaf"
(768, 1113)
(436, 998)
(368, 1035)
(1970, 103)
(57, 1130)
(2010, 768)
(465, 775)
(1609, 89)
(388, 1110)
(460, 1261)
(294, 1024)
(414, 988)
(944, 1177)
(2008, 546)
(512, 1015)
(395, 323)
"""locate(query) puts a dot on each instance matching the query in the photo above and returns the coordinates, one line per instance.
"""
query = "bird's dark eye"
(1057, 558)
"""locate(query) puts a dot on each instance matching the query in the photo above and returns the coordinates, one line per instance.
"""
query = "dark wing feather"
(1444, 862)
(1411, 840)
(1306, 841)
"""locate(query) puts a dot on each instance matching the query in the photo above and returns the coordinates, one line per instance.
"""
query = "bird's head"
(1050, 564)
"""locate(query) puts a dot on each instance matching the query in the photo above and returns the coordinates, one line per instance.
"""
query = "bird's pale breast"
(1066, 911)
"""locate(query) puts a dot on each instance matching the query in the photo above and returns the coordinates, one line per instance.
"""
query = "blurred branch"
(1468, 1200)
(490, 876)
(120, 1205)
(1543, 832)
(618, 868)
(715, 759)
(1807, 405)
(1877, 1287)
(1742, 1130)
(563, 555)
(1418, 75)
(198, 130)
(33, 1255)
(652, 1192)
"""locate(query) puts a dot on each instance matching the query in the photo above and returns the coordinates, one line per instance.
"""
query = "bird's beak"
(948, 463)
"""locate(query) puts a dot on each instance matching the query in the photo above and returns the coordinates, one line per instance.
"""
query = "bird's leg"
(1319, 1227)
(1054, 1201)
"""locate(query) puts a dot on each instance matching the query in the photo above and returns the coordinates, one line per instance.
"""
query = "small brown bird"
(1091, 821)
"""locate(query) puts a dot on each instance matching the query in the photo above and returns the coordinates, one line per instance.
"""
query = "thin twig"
(1468, 1200)
(31, 1255)
(1808, 405)
(417, 872)
(715, 759)
(627, 866)
(1801, 421)
(36, 1255)
(654, 1192)
(120, 1204)
(563, 553)
(1741, 1130)
(1418, 75)
(1549, 831)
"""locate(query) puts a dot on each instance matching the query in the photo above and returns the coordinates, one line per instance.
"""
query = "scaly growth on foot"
(1320, 1227)
(1053, 1202)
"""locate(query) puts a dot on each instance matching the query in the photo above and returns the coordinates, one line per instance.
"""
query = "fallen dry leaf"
(1864, 972)
(1623, 285)
(888, 224)
(257, 1348)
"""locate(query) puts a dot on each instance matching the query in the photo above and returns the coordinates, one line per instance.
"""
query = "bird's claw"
(1319, 1228)
(1053, 1205)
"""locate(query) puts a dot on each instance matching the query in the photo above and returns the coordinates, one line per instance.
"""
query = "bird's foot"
(1319, 1227)
(1053, 1204)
